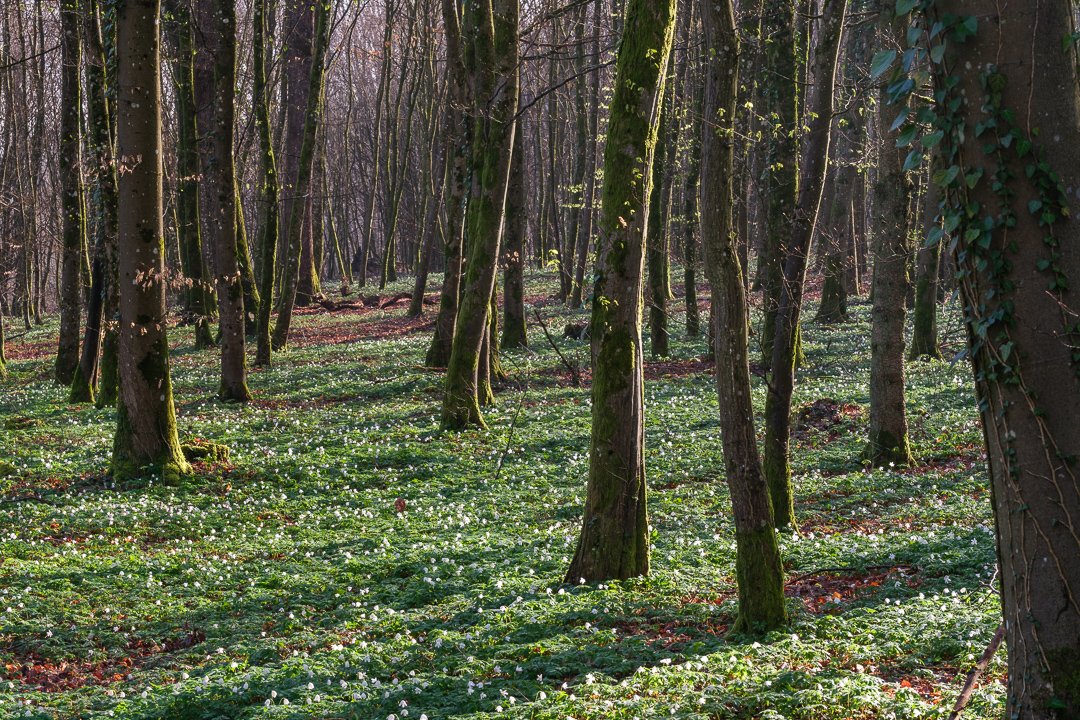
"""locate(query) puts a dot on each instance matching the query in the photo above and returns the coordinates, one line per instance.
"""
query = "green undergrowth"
(350, 560)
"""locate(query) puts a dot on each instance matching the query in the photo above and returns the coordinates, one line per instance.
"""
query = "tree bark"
(302, 187)
(777, 464)
(758, 569)
(268, 191)
(69, 156)
(513, 329)
(1017, 251)
(215, 77)
(614, 541)
(492, 41)
(146, 439)
(458, 130)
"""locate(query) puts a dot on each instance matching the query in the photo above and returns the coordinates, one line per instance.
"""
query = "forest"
(547, 359)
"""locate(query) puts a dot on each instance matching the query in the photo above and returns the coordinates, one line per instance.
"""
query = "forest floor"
(353, 561)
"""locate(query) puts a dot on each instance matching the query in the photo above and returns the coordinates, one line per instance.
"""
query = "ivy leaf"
(903, 7)
(937, 53)
(1034, 206)
(907, 136)
(900, 120)
(882, 61)
(967, 27)
(913, 160)
(944, 178)
(933, 138)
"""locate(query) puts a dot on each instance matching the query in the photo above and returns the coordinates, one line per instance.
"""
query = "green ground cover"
(352, 561)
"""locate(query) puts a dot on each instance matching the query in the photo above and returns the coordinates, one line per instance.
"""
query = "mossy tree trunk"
(513, 327)
(297, 216)
(146, 439)
(614, 541)
(588, 220)
(491, 50)
(691, 212)
(244, 264)
(782, 159)
(656, 252)
(102, 135)
(69, 155)
(268, 190)
(215, 77)
(1018, 271)
(3, 348)
(924, 331)
(102, 203)
(457, 145)
(781, 384)
(758, 569)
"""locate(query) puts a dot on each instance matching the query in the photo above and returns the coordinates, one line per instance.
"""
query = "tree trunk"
(777, 464)
(577, 293)
(146, 438)
(1017, 250)
(102, 200)
(888, 440)
(492, 40)
(779, 91)
(215, 76)
(614, 541)
(302, 187)
(691, 212)
(656, 251)
(102, 130)
(513, 330)
(758, 569)
(199, 297)
(74, 229)
(268, 192)
(924, 331)
(458, 130)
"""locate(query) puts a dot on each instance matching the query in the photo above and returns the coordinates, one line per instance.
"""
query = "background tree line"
(252, 155)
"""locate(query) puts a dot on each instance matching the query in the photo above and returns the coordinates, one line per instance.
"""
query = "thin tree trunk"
(777, 465)
(302, 188)
(513, 330)
(656, 252)
(215, 76)
(268, 192)
(69, 155)
(758, 569)
(199, 297)
(458, 130)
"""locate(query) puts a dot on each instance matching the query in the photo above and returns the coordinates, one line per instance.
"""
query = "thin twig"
(973, 676)
(575, 375)
(514, 422)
